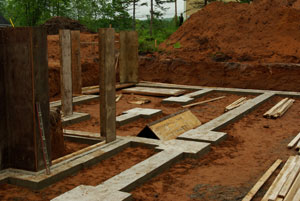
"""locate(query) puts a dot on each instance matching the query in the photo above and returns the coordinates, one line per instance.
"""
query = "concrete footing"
(75, 118)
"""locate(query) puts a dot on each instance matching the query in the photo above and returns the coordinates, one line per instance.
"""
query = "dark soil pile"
(264, 31)
(54, 24)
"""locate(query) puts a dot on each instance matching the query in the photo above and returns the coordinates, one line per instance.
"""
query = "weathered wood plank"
(293, 190)
(291, 178)
(294, 141)
(203, 102)
(107, 84)
(76, 63)
(66, 72)
(262, 181)
(276, 186)
(129, 57)
(153, 91)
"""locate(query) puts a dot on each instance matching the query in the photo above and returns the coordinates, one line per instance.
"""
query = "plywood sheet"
(171, 126)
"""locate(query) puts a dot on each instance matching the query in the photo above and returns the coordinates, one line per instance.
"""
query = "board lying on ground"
(236, 104)
(171, 127)
(262, 181)
(287, 183)
(294, 142)
(95, 89)
(280, 108)
(153, 91)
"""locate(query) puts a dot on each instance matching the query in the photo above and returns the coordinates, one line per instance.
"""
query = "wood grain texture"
(76, 63)
(129, 63)
(107, 84)
(66, 72)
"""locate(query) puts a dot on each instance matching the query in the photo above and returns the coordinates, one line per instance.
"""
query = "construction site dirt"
(228, 45)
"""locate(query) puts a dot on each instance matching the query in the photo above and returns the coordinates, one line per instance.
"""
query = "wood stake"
(262, 181)
(278, 105)
(202, 102)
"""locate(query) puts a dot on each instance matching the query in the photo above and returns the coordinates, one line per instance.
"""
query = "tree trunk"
(151, 18)
(176, 15)
(133, 15)
(205, 2)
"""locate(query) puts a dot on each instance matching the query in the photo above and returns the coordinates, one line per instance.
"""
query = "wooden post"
(129, 63)
(107, 84)
(66, 72)
(23, 82)
(76, 63)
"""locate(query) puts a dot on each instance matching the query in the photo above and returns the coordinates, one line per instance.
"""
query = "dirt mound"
(54, 24)
(264, 31)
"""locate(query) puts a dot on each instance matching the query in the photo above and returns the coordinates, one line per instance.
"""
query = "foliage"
(163, 29)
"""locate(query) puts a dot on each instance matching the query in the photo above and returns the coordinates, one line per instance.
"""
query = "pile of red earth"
(263, 31)
(54, 24)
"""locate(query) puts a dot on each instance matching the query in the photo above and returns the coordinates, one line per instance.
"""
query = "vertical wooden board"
(129, 57)
(107, 84)
(66, 72)
(3, 128)
(18, 71)
(76, 63)
(41, 89)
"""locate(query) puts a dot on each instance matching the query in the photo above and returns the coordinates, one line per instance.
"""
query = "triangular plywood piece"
(171, 127)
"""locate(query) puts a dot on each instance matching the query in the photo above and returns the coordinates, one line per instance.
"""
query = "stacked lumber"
(295, 143)
(95, 89)
(236, 104)
(287, 184)
(280, 108)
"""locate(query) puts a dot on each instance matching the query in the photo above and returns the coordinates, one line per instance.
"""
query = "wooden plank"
(262, 181)
(290, 180)
(279, 199)
(298, 146)
(66, 72)
(274, 108)
(76, 63)
(293, 190)
(171, 126)
(203, 102)
(107, 84)
(24, 69)
(95, 89)
(77, 153)
(276, 186)
(129, 63)
(297, 196)
(236, 104)
(153, 91)
(294, 141)
(281, 111)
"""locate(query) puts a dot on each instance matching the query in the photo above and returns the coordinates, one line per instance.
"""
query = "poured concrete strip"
(173, 151)
(77, 100)
(136, 113)
(218, 89)
(75, 118)
(204, 136)
(39, 180)
(187, 98)
(199, 93)
(183, 100)
(199, 134)
(90, 193)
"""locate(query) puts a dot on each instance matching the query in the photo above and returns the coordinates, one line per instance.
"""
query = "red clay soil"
(204, 112)
(231, 168)
(265, 31)
(89, 176)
